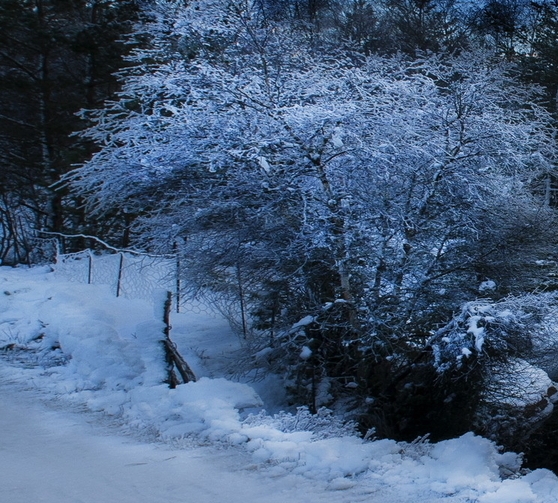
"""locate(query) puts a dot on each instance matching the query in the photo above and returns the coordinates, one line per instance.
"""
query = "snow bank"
(78, 343)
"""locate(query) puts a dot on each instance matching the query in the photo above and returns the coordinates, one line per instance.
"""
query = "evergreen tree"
(56, 57)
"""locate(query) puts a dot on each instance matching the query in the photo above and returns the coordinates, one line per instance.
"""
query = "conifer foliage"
(56, 57)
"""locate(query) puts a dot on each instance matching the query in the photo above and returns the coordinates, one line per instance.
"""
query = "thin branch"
(106, 245)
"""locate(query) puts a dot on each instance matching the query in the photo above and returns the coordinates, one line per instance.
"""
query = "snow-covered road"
(49, 455)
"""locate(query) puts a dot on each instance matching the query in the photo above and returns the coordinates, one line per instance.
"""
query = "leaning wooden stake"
(172, 356)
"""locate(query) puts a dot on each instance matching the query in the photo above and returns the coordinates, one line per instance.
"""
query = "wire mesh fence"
(134, 277)
(129, 275)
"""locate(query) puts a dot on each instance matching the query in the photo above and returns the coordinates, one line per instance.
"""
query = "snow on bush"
(112, 363)
(507, 347)
(495, 331)
(466, 334)
(323, 424)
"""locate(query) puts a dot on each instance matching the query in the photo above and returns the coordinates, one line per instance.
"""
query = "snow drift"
(81, 345)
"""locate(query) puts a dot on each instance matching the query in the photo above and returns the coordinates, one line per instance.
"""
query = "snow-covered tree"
(366, 196)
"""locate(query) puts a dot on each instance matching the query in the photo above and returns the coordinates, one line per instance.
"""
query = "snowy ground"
(54, 456)
(85, 419)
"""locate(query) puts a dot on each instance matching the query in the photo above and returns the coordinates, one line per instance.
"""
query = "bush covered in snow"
(503, 348)
(487, 331)
(366, 194)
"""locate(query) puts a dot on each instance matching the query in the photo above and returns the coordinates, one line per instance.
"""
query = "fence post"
(90, 268)
(177, 272)
(120, 267)
(241, 297)
(172, 378)
(172, 356)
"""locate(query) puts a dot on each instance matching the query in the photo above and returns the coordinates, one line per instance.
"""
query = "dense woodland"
(366, 188)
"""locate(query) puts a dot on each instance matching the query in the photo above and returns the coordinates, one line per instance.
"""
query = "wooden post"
(90, 269)
(177, 272)
(172, 356)
(166, 315)
(172, 378)
(241, 297)
(120, 266)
